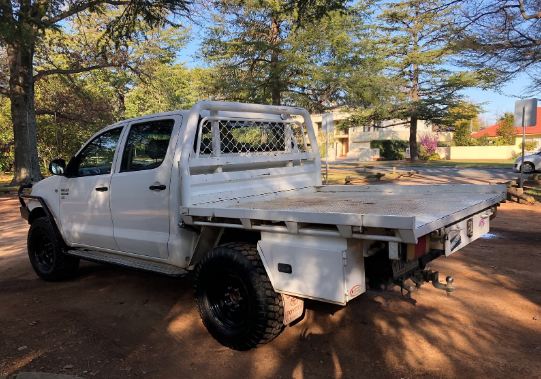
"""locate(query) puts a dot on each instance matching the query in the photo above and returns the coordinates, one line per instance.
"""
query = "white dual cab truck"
(232, 193)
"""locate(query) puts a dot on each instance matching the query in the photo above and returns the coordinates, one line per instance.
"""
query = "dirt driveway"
(113, 323)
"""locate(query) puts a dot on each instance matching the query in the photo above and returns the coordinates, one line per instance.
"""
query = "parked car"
(532, 163)
(232, 192)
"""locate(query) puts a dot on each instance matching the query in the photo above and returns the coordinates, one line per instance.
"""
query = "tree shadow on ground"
(113, 322)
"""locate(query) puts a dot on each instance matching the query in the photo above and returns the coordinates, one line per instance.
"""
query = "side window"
(146, 145)
(97, 157)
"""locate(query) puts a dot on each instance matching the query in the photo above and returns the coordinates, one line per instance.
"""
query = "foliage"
(419, 36)
(506, 131)
(502, 38)
(429, 142)
(390, 149)
(428, 146)
(28, 37)
(461, 113)
(6, 136)
(529, 145)
(261, 56)
(172, 87)
(482, 141)
(462, 135)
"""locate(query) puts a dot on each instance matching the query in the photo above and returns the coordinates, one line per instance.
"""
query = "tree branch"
(77, 8)
(525, 14)
(58, 71)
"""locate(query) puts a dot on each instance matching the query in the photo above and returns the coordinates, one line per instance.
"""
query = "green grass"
(440, 163)
(535, 192)
(5, 179)
(460, 163)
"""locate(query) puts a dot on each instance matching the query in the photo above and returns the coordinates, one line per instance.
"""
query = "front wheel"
(46, 252)
(235, 298)
(528, 168)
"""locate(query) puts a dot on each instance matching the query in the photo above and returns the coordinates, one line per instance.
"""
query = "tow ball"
(434, 278)
(421, 276)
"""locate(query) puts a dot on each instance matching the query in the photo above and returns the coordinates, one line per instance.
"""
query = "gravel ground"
(112, 322)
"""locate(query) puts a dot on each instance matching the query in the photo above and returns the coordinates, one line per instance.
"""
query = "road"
(112, 322)
(432, 173)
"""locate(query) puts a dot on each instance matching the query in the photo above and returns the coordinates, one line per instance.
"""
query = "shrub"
(429, 142)
(529, 145)
(461, 136)
(428, 145)
(482, 141)
(390, 149)
(506, 130)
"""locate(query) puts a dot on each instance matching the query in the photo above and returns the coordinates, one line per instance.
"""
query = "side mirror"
(57, 166)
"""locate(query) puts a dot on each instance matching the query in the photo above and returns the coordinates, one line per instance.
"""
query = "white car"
(532, 163)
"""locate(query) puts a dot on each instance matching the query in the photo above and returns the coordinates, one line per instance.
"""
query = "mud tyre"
(46, 252)
(235, 298)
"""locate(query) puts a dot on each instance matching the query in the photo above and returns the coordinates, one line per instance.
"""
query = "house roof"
(492, 130)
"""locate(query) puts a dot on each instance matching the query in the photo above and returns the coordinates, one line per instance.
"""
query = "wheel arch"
(531, 163)
(43, 211)
(36, 213)
(210, 237)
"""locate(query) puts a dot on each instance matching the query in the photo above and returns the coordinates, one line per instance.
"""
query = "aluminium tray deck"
(419, 208)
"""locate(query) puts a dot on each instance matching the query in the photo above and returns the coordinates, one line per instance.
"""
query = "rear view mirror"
(57, 166)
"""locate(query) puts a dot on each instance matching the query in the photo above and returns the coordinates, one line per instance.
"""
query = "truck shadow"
(113, 322)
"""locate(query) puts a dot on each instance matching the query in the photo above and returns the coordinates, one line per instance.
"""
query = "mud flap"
(293, 308)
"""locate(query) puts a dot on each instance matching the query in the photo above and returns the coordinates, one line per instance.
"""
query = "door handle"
(101, 189)
(157, 187)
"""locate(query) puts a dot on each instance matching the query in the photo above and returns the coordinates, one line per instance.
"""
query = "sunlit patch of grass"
(5, 180)
(535, 192)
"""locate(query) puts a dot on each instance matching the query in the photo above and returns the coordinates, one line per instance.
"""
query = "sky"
(496, 103)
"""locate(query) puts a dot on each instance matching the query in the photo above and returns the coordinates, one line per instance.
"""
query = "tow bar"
(421, 276)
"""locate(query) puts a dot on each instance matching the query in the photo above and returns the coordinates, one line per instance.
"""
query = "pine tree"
(419, 39)
(261, 55)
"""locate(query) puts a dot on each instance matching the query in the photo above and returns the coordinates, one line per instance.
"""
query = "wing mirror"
(57, 166)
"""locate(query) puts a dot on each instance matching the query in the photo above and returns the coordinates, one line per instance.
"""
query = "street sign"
(525, 115)
(528, 109)
(327, 123)
(327, 127)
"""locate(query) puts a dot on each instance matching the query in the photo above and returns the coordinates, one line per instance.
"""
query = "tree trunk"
(413, 139)
(275, 82)
(23, 115)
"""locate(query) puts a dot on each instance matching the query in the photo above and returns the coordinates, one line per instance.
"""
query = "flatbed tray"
(417, 208)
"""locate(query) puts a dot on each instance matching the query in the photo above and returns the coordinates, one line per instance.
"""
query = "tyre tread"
(272, 314)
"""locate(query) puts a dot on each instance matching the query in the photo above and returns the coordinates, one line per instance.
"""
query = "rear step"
(127, 261)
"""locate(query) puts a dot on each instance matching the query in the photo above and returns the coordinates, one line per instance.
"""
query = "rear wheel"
(528, 167)
(46, 252)
(235, 298)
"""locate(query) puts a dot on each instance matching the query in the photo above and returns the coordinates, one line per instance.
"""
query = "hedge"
(390, 149)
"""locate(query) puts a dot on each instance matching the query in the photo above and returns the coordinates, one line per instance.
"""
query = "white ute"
(232, 192)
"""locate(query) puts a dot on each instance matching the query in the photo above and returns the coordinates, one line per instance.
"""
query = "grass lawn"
(5, 179)
(535, 192)
(439, 163)
(466, 164)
